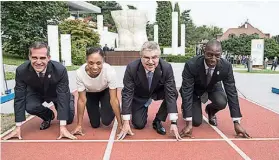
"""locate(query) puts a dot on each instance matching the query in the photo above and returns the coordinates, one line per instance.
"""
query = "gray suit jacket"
(56, 86)
(136, 91)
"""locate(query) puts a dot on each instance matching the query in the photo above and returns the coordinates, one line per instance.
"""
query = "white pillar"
(52, 36)
(66, 54)
(156, 33)
(174, 33)
(183, 38)
(100, 23)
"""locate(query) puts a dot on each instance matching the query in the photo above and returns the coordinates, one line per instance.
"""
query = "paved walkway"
(256, 87)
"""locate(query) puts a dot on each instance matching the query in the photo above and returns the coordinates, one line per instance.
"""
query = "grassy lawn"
(238, 66)
(10, 75)
(264, 71)
(72, 68)
(7, 121)
(13, 60)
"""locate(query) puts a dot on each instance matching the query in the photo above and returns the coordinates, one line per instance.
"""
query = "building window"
(231, 35)
(243, 35)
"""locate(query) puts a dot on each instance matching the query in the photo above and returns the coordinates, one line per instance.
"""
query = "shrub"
(81, 37)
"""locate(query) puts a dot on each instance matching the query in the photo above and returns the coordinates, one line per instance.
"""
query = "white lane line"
(110, 142)
(139, 140)
(238, 150)
(254, 139)
(256, 103)
(52, 141)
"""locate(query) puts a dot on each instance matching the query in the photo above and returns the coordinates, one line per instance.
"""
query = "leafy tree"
(81, 37)
(163, 18)
(132, 7)
(242, 46)
(24, 22)
(150, 31)
(106, 8)
(276, 38)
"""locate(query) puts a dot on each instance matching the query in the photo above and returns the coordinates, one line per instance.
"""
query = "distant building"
(245, 29)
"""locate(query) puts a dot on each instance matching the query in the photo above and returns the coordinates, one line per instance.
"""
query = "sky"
(224, 14)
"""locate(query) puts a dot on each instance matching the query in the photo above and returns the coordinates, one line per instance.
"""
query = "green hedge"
(177, 58)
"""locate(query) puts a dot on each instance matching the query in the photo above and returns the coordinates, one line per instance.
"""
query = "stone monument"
(131, 28)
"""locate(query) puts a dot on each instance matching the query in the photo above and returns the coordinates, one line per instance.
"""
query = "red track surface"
(147, 144)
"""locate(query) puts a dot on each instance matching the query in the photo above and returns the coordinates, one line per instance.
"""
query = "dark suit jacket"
(136, 92)
(194, 84)
(56, 86)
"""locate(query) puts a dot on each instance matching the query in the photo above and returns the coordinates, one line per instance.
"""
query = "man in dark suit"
(39, 80)
(145, 79)
(202, 77)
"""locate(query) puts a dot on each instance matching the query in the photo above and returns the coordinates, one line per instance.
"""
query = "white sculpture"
(131, 27)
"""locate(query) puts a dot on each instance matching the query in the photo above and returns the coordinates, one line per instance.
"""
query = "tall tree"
(150, 31)
(276, 38)
(177, 9)
(24, 22)
(242, 46)
(163, 18)
(189, 28)
(106, 8)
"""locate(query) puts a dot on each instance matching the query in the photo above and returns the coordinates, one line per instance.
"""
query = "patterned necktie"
(149, 78)
(208, 76)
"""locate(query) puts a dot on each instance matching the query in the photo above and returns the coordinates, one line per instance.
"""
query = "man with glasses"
(145, 79)
(201, 80)
(39, 80)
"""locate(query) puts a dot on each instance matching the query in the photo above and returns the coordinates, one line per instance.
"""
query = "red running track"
(260, 123)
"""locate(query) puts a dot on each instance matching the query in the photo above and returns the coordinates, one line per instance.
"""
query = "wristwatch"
(174, 122)
(236, 121)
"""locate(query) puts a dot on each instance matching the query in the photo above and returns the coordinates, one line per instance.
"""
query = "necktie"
(204, 97)
(41, 76)
(149, 78)
(208, 76)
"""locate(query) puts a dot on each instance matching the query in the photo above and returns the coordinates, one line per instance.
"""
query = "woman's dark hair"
(92, 50)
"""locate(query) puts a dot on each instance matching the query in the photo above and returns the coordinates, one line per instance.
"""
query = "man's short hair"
(39, 45)
(150, 46)
(213, 42)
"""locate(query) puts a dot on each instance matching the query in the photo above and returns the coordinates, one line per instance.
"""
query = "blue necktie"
(149, 78)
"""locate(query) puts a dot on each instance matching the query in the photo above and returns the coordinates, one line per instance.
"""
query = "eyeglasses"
(153, 58)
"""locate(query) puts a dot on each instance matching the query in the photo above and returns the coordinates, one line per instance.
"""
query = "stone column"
(52, 37)
(66, 53)
(100, 23)
(156, 33)
(183, 38)
(174, 41)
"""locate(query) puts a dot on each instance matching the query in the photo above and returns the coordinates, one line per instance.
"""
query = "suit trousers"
(139, 113)
(97, 112)
(218, 102)
(34, 106)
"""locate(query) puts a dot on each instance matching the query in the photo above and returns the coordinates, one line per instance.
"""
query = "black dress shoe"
(46, 124)
(212, 119)
(158, 127)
